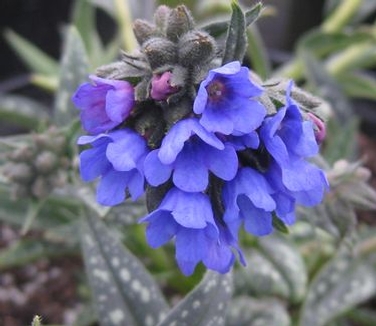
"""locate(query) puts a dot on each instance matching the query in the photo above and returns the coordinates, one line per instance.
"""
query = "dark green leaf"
(205, 305)
(245, 311)
(74, 70)
(236, 39)
(35, 59)
(279, 225)
(124, 292)
(217, 29)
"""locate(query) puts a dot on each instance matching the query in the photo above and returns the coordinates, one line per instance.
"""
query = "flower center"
(216, 90)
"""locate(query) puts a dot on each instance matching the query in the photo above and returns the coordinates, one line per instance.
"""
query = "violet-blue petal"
(111, 188)
(161, 228)
(156, 173)
(174, 141)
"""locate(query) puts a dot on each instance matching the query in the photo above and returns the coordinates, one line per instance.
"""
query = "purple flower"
(290, 141)
(248, 199)
(104, 103)
(190, 158)
(225, 101)
(189, 218)
(117, 158)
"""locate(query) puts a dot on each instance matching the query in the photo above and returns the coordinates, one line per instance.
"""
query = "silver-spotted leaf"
(124, 292)
(205, 305)
(73, 71)
(343, 283)
(288, 262)
(246, 311)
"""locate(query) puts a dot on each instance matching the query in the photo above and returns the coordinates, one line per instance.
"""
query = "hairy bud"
(179, 22)
(143, 31)
(160, 52)
(196, 47)
(161, 16)
(45, 162)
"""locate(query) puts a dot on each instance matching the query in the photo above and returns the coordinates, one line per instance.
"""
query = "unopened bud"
(196, 47)
(161, 16)
(320, 129)
(45, 162)
(40, 188)
(23, 154)
(160, 52)
(143, 31)
(161, 86)
(19, 172)
(179, 22)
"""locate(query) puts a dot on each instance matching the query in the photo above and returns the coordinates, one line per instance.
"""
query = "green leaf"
(236, 39)
(358, 84)
(205, 305)
(274, 268)
(22, 111)
(246, 311)
(343, 283)
(26, 251)
(124, 292)
(35, 59)
(257, 53)
(74, 70)
(217, 29)
(326, 86)
(37, 321)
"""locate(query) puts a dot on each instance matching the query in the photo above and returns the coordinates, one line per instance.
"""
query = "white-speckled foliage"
(206, 305)
(124, 292)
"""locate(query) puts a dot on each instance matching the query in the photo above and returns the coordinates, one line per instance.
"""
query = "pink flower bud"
(320, 130)
(161, 87)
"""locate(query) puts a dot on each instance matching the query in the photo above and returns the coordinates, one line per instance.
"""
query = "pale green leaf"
(359, 85)
(246, 311)
(34, 58)
(22, 111)
(343, 283)
(74, 70)
(25, 251)
(124, 292)
(205, 305)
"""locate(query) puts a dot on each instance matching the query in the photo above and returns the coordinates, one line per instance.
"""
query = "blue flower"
(188, 217)
(117, 158)
(248, 199)
(225, 100)
(290, 141)
(104, 103)
(189, 152)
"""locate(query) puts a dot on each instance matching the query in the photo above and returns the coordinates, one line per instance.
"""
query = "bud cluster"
(35, 169)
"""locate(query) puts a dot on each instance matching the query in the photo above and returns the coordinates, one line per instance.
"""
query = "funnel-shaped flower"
(118, 170)
(226, 101)
(189, 218)
(104, 103)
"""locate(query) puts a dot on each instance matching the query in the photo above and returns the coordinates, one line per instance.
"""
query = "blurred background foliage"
(322, 273)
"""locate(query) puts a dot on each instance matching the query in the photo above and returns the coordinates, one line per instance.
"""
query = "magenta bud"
(161, 87)
(320, 129)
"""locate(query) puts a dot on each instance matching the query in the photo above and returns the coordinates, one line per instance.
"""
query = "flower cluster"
(208, 153)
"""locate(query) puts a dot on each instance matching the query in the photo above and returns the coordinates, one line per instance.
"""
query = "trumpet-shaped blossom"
(188, 217)
(248, 199)
(290, 141)
(226, 101)
(118, 171)
(104, 103)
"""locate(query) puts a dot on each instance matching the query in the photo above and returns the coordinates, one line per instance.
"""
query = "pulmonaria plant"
(183, 121)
